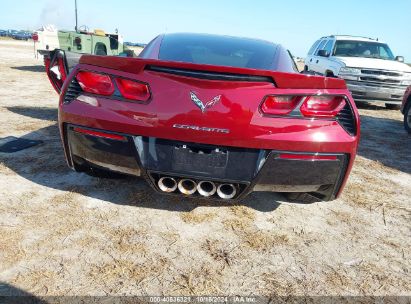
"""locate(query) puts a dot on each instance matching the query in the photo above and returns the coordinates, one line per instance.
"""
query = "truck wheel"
(391, 106)
(329, 74)
(407, 117)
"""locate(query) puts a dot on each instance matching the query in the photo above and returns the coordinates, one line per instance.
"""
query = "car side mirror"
(399, 58)
(323, 53)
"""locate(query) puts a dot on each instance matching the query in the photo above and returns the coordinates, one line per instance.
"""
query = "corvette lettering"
(197, 128)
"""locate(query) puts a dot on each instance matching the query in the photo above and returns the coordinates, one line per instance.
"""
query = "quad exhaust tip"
(226, 191)
(187, 186)
(167, 184)
(206, 188)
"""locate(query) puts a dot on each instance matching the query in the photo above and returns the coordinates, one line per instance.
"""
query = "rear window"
(314, 47)
(321, 45)
(218, 50)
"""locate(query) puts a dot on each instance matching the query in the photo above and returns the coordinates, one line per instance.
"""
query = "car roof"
(227, 37)
(265, 54)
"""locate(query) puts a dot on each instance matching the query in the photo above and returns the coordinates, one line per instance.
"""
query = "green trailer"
(83, 42)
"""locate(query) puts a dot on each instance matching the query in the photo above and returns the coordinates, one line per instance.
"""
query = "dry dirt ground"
(65, 233)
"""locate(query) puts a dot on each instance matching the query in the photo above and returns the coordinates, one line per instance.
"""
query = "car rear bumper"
(375, 93)
(321, 174)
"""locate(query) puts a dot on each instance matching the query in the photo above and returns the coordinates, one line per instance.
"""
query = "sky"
(292, 23)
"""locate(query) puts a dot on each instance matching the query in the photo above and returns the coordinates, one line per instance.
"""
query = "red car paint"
(238, 111)
(406, 99)
(406, 109)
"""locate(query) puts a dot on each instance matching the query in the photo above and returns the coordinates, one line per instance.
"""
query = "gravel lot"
(65, 233)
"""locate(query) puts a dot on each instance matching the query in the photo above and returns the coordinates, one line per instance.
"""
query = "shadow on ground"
(385, 140)
(30, 68)
(11, 294)
(43, 113)
(45, 165)
(376, 107)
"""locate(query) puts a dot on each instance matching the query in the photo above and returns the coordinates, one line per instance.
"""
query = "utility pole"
(75, 7)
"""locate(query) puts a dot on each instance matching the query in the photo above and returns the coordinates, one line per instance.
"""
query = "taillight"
(56, 69)
(35, 37)
(322, 106)
(133, 90)
(335, 107)
(280, 104)
(95, 83)
(77, 40)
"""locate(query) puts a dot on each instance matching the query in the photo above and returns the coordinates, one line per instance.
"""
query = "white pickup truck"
(368, 66)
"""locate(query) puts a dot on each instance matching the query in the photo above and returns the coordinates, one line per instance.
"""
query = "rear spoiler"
(60, 63)
(280, 79)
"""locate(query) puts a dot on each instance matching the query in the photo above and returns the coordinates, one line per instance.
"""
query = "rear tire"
(301, 197)
(100, 173)
(407, 117)
(391, 106)
(82, 166)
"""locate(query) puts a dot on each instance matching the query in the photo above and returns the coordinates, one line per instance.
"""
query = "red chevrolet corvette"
(207, 116)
